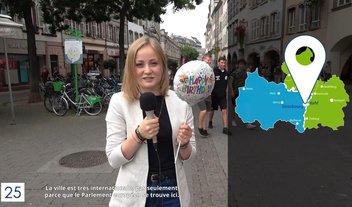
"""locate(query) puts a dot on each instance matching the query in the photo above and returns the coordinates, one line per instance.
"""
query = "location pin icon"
(305, 72)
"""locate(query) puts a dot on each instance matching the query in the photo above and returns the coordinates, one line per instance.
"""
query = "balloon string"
(179, 144)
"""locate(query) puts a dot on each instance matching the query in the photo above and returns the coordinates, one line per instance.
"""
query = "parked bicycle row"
(93, 94)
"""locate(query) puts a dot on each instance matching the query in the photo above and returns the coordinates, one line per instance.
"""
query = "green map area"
(328, 98)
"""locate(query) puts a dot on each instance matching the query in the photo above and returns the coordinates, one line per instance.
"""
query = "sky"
(187, 22)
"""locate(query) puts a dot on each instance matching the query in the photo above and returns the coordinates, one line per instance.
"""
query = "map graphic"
(269, 102)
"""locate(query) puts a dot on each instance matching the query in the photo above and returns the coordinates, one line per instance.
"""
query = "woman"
(148, 177)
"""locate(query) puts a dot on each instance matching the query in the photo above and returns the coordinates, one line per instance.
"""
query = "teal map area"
(268, 103)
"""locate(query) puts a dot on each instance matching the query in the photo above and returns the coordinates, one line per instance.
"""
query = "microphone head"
(147, 101)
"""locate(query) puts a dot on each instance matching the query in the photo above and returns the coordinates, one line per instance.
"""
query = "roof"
(191, 41)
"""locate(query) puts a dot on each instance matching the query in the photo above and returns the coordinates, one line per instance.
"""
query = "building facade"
(264, 35)
(339, 41)
(324, 20)
(255, 32)
(100, 42)
(259, 31)
(171, 48)
(188, 41)
(215, 16)
(223, 18)
(301, 18)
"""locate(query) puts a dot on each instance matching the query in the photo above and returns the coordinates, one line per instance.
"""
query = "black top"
(164, 137)
(220, 83)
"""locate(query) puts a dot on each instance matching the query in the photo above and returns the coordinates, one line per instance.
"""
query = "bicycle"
(90, 104)
(48, 93)
(105, 88)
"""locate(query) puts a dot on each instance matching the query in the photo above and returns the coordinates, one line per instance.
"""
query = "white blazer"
(122, 119)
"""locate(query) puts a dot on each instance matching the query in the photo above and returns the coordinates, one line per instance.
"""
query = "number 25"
(15, 191)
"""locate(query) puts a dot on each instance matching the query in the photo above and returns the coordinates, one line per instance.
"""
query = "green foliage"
(189, 52)
(75, 33)
(16, 7)
(56, 11)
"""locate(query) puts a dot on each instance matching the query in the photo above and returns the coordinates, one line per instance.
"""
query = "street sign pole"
(74, 54)
(13, 121)
(76, 80)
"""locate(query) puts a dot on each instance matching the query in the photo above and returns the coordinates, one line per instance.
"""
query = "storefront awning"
(94, 47)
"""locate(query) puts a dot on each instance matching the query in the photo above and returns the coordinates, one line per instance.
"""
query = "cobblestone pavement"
(209, 168)
(30, 151)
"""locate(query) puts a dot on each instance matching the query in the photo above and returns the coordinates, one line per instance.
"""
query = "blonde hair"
(130, 86)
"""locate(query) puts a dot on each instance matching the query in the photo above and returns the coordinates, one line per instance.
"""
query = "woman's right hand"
(149, 128)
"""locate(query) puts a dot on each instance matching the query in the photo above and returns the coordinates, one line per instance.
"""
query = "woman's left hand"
(184, 134)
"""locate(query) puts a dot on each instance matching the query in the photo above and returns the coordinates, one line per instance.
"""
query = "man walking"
(219, 95)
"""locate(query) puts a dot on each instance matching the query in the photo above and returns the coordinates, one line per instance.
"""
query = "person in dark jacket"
(219, 95)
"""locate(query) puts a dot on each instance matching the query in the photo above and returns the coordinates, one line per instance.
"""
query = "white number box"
(12, 192)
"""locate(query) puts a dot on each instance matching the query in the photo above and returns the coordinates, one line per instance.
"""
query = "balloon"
(194, 81)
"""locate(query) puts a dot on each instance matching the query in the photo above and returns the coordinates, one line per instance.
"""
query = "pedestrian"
(148, 176)
(266, 72)
(2, 74)
(56, 74)
(97, 67)
(219, 95)
(45, 74)
(278, 74)
(204, 106)
(238, 80)
(232, 93)
(327, 71)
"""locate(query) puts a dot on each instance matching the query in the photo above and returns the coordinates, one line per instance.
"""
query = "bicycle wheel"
(106, 99)
(48, 103)
(60, 105)
(92, 110)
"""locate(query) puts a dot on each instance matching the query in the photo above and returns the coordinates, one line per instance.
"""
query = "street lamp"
(8, 29)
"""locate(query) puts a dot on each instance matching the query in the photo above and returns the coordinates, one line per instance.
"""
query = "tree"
(189, 52)
(172, 65)
(23, 8)
(55, 11)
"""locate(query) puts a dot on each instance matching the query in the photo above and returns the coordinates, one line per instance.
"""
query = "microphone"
(148, 104)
